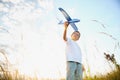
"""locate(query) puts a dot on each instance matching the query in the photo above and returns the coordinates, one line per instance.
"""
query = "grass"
(114, 75)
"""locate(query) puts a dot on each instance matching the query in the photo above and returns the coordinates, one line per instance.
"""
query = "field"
(114, 75)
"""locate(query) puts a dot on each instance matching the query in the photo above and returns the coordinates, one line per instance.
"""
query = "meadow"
(114, 75)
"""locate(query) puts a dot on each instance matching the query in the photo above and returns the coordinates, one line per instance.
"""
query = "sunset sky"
(31, 31)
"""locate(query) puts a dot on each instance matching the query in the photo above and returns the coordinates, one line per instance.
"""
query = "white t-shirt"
(73, 51)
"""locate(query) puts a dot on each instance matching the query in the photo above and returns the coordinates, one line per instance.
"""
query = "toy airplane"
(71, 21)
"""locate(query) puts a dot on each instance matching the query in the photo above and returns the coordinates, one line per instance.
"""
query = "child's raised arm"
(66, 24)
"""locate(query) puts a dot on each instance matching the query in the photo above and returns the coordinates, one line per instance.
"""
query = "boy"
(73, 55)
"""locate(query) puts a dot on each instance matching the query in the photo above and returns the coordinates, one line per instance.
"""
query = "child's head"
(75, 35)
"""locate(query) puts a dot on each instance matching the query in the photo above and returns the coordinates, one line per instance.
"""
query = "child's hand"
(66, 24)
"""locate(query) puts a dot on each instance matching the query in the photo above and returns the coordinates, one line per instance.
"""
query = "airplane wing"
(74, 26)
(65, 14)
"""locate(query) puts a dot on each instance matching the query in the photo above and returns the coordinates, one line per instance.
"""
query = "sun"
(40, 57)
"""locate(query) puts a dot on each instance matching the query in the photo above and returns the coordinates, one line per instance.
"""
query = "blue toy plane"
(71, 21)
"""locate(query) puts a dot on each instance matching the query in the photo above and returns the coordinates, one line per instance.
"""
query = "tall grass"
(114, 75)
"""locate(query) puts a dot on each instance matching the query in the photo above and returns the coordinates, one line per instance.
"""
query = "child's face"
(75, 36)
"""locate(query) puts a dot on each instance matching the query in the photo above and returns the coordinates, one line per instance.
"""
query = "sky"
(32, 38)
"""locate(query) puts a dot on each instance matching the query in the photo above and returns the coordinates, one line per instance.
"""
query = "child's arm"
(65, 31)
